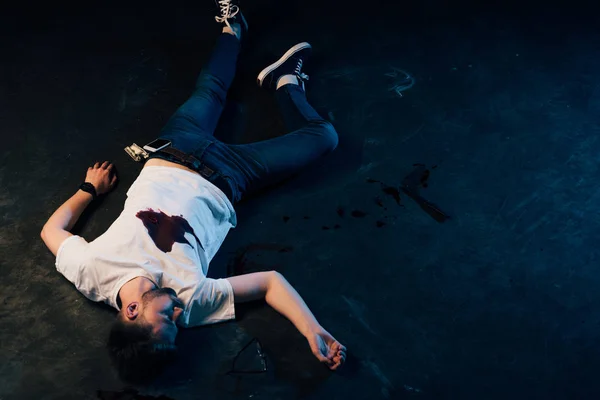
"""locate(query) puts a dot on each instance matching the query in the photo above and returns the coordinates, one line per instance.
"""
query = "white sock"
(287, 80)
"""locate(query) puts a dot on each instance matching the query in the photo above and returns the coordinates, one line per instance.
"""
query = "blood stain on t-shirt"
(166, 230)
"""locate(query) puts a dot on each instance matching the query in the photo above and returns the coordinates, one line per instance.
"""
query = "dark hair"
(138, 357)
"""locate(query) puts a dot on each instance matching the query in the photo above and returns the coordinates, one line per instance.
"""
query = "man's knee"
(329, 135)
(211, 87)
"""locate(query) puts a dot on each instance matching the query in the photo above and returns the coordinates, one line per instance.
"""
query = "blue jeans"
(246, 168)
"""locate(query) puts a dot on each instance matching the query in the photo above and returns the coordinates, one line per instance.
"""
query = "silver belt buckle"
(136, 152)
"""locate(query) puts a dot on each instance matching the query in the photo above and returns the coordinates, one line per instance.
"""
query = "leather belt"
(193, 163)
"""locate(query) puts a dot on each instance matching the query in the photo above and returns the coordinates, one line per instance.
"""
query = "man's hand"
(102, 176)
(280, 295)
(328, 350)
(56, 230)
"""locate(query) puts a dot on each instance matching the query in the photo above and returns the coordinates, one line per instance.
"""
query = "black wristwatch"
(88, 187)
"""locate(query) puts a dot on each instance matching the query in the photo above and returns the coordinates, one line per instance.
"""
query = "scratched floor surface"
(499, 133)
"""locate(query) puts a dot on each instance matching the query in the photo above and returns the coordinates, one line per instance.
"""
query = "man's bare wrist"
(313, 329)
(85, 195)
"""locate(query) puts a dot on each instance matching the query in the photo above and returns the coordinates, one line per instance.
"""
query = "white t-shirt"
(172, 225)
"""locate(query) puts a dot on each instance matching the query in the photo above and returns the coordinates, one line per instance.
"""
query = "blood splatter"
(410, 186)
(379, 224)
(325, 228)
(286, 218)
(358, 213)
(166, 230)
(392, 191)
(340, 211)
(388, 190)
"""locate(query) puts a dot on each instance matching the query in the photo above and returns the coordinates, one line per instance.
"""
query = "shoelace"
(227, 11)
(298, 71)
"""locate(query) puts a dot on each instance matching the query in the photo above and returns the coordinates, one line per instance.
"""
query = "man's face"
(161, 308)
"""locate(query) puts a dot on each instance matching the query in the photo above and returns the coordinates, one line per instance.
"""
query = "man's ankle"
(235, 30)
(287, 80)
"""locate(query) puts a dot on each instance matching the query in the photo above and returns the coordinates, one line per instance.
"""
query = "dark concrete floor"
(500, 301)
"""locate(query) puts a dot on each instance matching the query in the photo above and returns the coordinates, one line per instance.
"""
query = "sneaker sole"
(263, 74)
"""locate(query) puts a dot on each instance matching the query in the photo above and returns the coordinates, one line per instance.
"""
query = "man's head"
(142, 339)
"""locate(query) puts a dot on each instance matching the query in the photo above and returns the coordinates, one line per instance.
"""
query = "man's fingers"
(340, 358)
(113, 181)
(338, 346)
(110, 167)
(320, 356)
(330, 361)
(335, 349)
(335, 366)
(105, 165)
(97, 165)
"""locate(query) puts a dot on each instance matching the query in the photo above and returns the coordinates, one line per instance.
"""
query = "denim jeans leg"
(195, 121)
(253, 166)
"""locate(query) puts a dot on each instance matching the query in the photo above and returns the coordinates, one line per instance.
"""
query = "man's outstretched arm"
(280, 295)
(57, 228)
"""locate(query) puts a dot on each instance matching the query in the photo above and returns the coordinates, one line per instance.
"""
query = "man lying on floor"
(151, 264)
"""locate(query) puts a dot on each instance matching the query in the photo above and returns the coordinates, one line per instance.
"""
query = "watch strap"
(89, 188)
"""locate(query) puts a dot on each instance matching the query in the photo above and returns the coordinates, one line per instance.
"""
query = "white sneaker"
(290, 63)
(229, 13)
